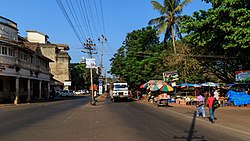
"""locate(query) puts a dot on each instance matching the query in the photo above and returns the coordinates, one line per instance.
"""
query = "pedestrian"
(149, 96)
(216, 94)
(210, 101)
(200, 106)
(138, 93)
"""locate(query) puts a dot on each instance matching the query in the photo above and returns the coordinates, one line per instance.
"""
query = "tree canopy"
(167, 23)
(222, 31)
(137, 60)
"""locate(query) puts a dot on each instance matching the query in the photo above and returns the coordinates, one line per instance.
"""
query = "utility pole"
(101, 40)
(106, 81)
(89, 49)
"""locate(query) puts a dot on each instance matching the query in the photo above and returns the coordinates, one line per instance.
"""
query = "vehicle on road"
(66, 93)
(120, 91)
(81, 92)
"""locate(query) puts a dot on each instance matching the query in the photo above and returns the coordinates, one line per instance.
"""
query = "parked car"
(73, 92)
(66, 93)
(81, 92)
(78, 92)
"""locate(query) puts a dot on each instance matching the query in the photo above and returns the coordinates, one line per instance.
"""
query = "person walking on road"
(210, 101)
(200, 106)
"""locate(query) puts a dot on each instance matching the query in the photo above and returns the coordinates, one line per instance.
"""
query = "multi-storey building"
(24, 70)
(56, 52)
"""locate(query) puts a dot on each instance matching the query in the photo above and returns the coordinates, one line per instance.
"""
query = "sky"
(116, 19)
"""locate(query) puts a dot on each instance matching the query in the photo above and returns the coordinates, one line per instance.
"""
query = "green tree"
(168, 21)
(137, 60)
(80, 76)
(222, 31)
(188, 68)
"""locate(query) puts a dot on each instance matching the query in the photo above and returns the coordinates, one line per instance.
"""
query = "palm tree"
(167, 22)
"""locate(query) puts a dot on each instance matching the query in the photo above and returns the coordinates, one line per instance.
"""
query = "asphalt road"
(76, 120)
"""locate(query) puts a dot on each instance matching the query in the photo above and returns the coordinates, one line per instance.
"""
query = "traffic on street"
(75, 119)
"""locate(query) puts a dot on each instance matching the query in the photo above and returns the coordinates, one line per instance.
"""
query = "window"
(4, 50)
(25, 57)
(11, 52)
(1, 85)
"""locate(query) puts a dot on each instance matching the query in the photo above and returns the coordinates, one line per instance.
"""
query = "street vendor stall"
(162, 99)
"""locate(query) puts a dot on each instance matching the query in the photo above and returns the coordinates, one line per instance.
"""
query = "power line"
(85, 8)
(84, 17)
(75, 17)
(68, 20)
(92, 17)
(97, 14)
(102, 17)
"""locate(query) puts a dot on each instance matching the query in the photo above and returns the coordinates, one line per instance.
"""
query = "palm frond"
(168, 4)
(158, 6)
(162, 27)
(177, 31)
(157, 20)
(154, 21)
(179, 7)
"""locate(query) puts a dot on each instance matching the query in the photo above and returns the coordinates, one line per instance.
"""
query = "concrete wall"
(60, 66)
(36, 37)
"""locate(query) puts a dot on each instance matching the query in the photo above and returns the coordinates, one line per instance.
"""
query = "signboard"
(67, 83)
(90, 63)
(170, 76)
(242, 75)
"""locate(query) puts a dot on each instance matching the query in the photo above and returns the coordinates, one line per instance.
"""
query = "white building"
(24, 70)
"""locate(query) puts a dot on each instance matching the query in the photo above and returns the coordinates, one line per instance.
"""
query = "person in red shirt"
(210, 101)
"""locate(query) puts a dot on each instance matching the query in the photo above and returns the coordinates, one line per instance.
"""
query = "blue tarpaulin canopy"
(188, 85)
(238, 98)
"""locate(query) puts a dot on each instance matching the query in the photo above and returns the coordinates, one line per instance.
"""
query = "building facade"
(24, 70)
(57, 53)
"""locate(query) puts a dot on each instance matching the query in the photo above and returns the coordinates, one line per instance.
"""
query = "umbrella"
(153, 87)
(166, 88)
(161, 82)
(151, 82)
(210, 84)
(145, 85)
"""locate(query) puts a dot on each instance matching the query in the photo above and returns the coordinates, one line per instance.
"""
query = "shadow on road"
(191, 132)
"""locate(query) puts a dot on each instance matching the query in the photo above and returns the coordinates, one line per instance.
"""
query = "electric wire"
(97, 15)
(75, 17)
(85, 8)
(102, 17)
(68, 20)
(83, 16)
(92, 17)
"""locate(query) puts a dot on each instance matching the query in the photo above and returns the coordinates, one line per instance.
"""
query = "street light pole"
(89, 46)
